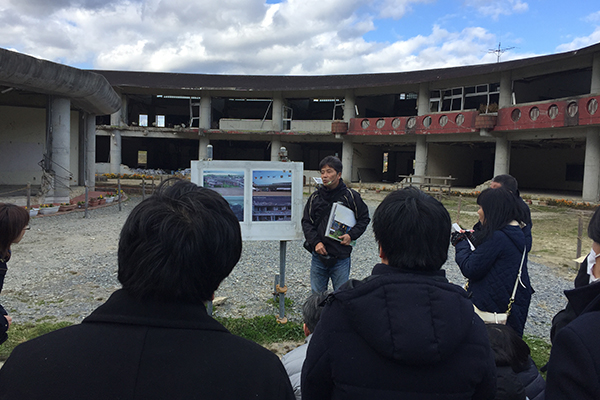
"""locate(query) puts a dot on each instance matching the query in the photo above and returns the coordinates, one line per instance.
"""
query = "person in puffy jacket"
(493, 267)
(404, 332)
(13, 224)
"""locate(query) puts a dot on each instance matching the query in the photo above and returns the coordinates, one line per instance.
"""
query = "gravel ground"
(66, 266)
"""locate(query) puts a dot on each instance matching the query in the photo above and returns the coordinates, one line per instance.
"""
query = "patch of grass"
(263, 329)
(20, 333)
(287, 302)
(540, 350)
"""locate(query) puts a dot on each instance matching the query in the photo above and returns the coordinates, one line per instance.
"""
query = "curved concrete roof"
(86, 90)
(264, 83)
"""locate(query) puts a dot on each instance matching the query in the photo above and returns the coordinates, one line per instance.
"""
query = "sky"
(293, 37)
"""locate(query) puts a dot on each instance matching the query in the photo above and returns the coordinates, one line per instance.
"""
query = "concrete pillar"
(591, 169)
(423, 99)
(505, 99)
(120, 117)
(90, 151)
(502, 156)
(347, 156)
(60, 124)
(349, 106)
(421, 156)
(275, 146)
(204, 141)
(205, 112)
(595, 89)
(277, 114)
(115, 152)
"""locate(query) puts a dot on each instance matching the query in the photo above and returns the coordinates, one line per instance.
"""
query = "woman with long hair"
(14, 222)
(493, 267)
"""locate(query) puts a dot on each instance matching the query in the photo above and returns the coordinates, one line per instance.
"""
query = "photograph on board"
(230, 184)
(272, 195)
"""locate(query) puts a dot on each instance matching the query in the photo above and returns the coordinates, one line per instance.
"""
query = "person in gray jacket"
(292, 361)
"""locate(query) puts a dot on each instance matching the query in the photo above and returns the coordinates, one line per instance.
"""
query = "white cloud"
(235, 36)
(593, 18)
(580, 42)
(496, 8)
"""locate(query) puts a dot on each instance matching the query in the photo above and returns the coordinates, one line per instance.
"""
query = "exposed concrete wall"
(266, 125)
(205, 111)
(595, 87)
(349, 106)
(311, 126)
(502, 156)
(545, 168)
(60, 123)
(347, 159)
(74, 153)
(369, 159)
(505, 99)
(421, 156)
(460, 162)
(277, 112)
(22, 141)
(423, 99)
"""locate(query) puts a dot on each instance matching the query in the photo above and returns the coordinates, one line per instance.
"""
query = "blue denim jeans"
(320, 274)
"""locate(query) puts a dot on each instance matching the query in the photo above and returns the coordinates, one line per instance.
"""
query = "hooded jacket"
(399, 334)
(316, 214)
(574, 365)
(492, 270)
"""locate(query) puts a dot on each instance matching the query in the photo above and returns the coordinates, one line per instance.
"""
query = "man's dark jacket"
(127, 349)
(574, 365)
(316, 214)
(492, 270)
(399, 335)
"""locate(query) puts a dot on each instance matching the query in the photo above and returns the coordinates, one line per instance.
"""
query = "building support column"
(60, 125)
(115, 152)
(423, 99)
(505, 97)
(591, 169)
(90, 152)
(275, 146)
(347, 156)
(421, 156)
(277, 114)
(204, 125)
(595, 89)
(502, 156)
(349, 106)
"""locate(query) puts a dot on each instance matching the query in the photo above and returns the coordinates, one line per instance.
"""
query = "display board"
(266, 196)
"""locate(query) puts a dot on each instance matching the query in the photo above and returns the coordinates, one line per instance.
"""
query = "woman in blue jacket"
(493, 266)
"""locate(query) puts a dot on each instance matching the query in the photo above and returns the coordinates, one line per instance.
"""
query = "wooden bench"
(426, 182)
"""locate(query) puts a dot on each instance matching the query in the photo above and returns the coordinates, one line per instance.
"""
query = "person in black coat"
(574, 365)
(14, 222)
(154, 339)
(509, 183)
(493, 266)
(404, 332)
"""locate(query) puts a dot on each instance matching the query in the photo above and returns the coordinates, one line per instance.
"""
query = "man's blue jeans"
(320, 274)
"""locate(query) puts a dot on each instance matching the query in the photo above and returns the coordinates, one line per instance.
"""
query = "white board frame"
(260, 230)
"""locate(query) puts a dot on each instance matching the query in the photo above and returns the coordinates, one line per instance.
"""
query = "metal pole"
(282, 288)
(458, 211)
(579, 235)
(28, 196)
(152, 192)
(85, 215)
(119, 191)
(143, 189)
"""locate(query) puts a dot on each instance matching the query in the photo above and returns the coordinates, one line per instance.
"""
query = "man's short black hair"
(312, 308)
(333, 162)
(594, 226)
(179, 244)
(508, 182)
(413, 230)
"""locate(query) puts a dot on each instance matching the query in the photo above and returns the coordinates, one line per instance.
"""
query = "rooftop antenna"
(499, 51)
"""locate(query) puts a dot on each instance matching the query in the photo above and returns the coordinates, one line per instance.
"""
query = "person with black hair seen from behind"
(292, 361)
(574, 365)
(404, 332)
(499, 260)
(509, 183)
(153, 339)
(331, 258)
(517, 374)
(14, 222)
